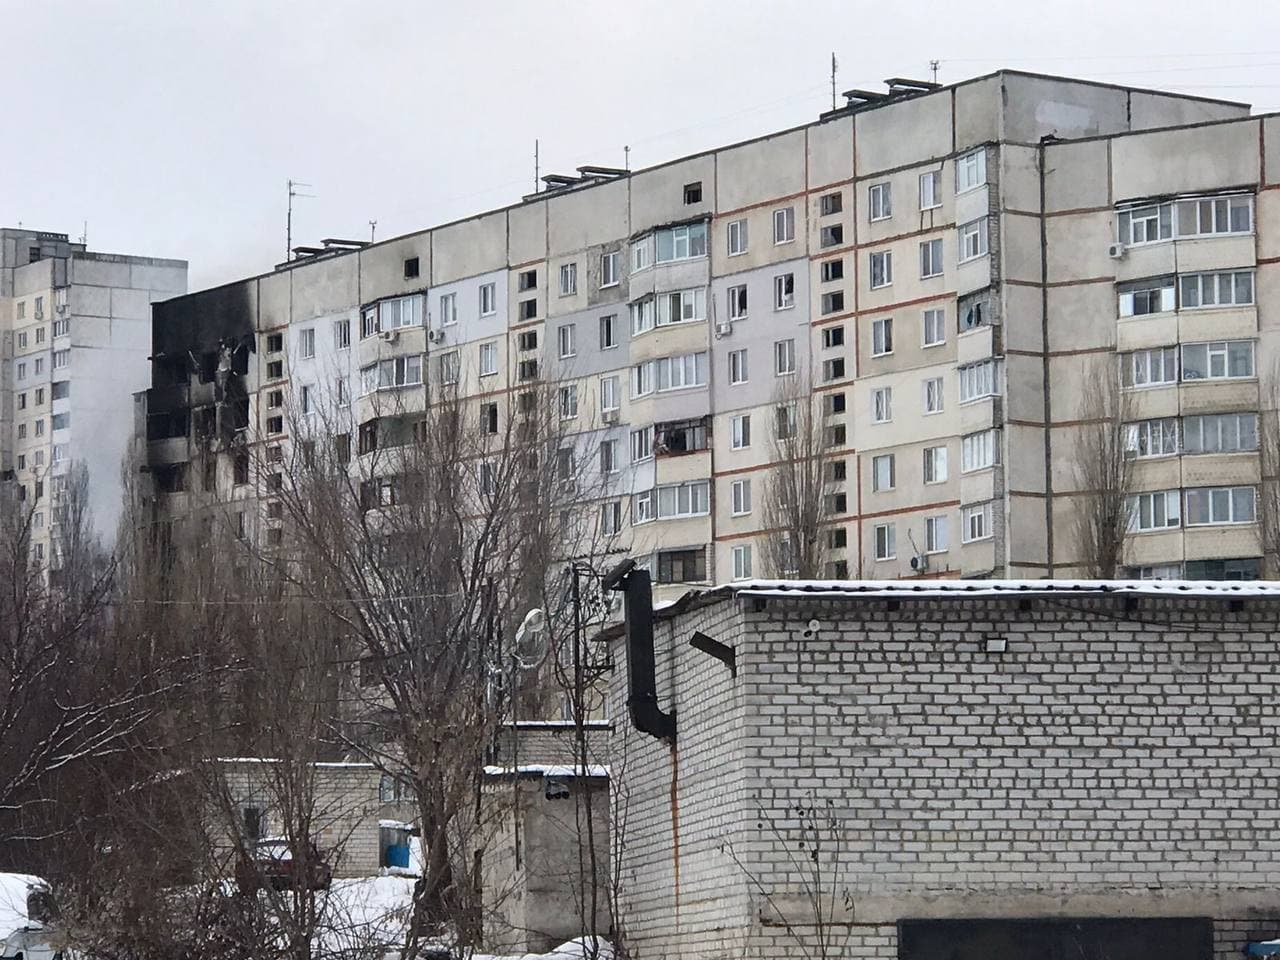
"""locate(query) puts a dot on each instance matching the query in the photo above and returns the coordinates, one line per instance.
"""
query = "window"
(1218, 433)
(368, 323)
(973, 239)
(1217, 289)
(567, 340)
(608, 456)
(609, 393)
(740, 495)
(1146, 296)
(410, 268)
(784, 357)
(611, 518)
(22, 340)
(930, 190)
(448, 309)
(489, 418)
(738, 366)
(528, 309)
(568, 279)
(488, 299)
(22, 309)
(691, 499)
(488, 358)
(737, 297)
(22, 371)
(978, 451)
(307, 343)
(61, 359)
(641, 444)
(881, 337)
(275, 424)
(885, 541)
(1152, 438)
(59, 390)
(974, 313)
(836, 435)
(935, 534)
(643, 315)
(641, 254)
(528, 340)
(831, 236)
(1210, 215)
(275, 370)
(527, 370)
(883, 473)
(832, 337)
(979, 380)
(669, 373)
(401, 312)
(832, 270)
(60, 421)
(881, 269)
(740, 432)
(976, 522)
(39, 363)
(682, 566)
(784, 225)
(830, 203)
(305, 398)
(935, 464)
(275, 398)
(1219, 360)
(1249, 568)
(1151, 367)
(394, 372)
(935, 327)
(681, 243)
(450, 367)
(737, 236)
(682, 306)
(275, 342)
(933, 395)
(1213, 505)
(569, 402)
(742, 562)
(609, 270)
(931, 259)
(833, 369)
(971, 170)
(642, 507)
(1158, 510)
(880, 201)
(341, 334)
(784, 292)
(784, 427)
(22, 401)
(61, 328)
(528, 280)
(882, 405)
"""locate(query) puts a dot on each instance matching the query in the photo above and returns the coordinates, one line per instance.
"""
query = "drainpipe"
(642, 684)
(1044, 346)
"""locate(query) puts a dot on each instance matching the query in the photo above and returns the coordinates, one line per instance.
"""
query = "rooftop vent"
(900, 88)
(588, 175)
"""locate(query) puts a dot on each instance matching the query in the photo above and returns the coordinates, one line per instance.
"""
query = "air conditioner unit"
(435, 336)
(724, 328)
(390, 336)
(1117, 251)
(920, 563)
(609, 416)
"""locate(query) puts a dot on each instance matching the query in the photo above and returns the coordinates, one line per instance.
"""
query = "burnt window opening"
(167, 425)
(527, 370)
(206, 423)
(368, 437)
(240, 467)
(410, 268)
(208, 366)
(275, 482)
(342, 448)
(693, 193)
(210, 475)
(529, 340)
(527, 401)
(838, 570)
(275, 342)
(975, 311)
(681, 436)
(836, 403)
(275, 370)
(682, 566)
(837, 538)
(837, 470)
(529, 309)
(837, 435)
(170, 478)
(528, 280)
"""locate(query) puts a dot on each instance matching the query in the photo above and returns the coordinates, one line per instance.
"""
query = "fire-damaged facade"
(1004, 770)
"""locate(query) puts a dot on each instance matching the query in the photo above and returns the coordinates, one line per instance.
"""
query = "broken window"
(368, 439)
(682, 566)
(410, 268)
(528, 340)
(693, 192)
(684, 436)
(528, 280)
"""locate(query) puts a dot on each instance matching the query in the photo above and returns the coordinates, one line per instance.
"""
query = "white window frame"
(1215, 351)
(784, 357)
(971, 170)
(932, 389)
(979, 451)
(881, 269)
(567, 340)
(737, 237)
(610, 397)
(489, 358)
(738, 366)
(884, 538)
(1128, 300)
(976, 523)
(1217, 497)
(973, 240)
(1193, 287)
(931, 258)
(931, 198)
(609, 273)
(642, 444)
(568, 279)
(738, 301)
(1151, 439)
(784, 299)
(567, 401)
(978, 381)
(934, 469)
(1154, 510)
(937, 536)
(879, 202)
(307, 343)
(742, 562)
(884, 473)
(882, 337)
(740, 497)
(740, 431)
(882, 405)
(938, 316)
(1139, 367)
(448, 309)
(695, 493)
(784, 225)
(1219, 433)
(488, 299)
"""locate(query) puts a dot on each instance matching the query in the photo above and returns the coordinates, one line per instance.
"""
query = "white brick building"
(1034, 763)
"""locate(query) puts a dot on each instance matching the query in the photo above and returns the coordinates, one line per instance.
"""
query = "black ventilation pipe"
(642, 684)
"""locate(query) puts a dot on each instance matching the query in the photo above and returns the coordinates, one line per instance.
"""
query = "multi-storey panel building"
(937, 269)
(74, 342)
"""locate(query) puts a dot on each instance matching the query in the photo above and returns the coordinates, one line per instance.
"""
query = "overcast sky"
(171, 126)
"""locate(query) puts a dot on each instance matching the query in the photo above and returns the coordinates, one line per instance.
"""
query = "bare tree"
(794, 501)
(1269, 458)
(1103, 470)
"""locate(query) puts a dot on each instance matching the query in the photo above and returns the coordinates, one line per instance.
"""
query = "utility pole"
(834, 66)
(288, 223)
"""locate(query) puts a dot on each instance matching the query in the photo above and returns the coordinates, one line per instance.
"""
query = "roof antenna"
(288, 224)
(834, 67)
(626, 154)
(373, 229)
(537, 169)
(933, 70)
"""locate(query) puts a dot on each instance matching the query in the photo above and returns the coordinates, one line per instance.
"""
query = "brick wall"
(1115, 760)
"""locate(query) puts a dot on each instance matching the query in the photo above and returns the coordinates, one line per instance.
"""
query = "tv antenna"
(373, 230)
(933, 70)
(288, 224)
(834, 67)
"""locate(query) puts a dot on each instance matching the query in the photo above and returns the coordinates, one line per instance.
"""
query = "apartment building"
(74, 346)
(935, 269)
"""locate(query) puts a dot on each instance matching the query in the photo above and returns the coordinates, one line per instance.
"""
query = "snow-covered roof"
(321, 764)
(548, 770)
(987, 588)
(13, 902)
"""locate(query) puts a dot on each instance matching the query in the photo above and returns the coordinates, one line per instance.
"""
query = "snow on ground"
(13, 901)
